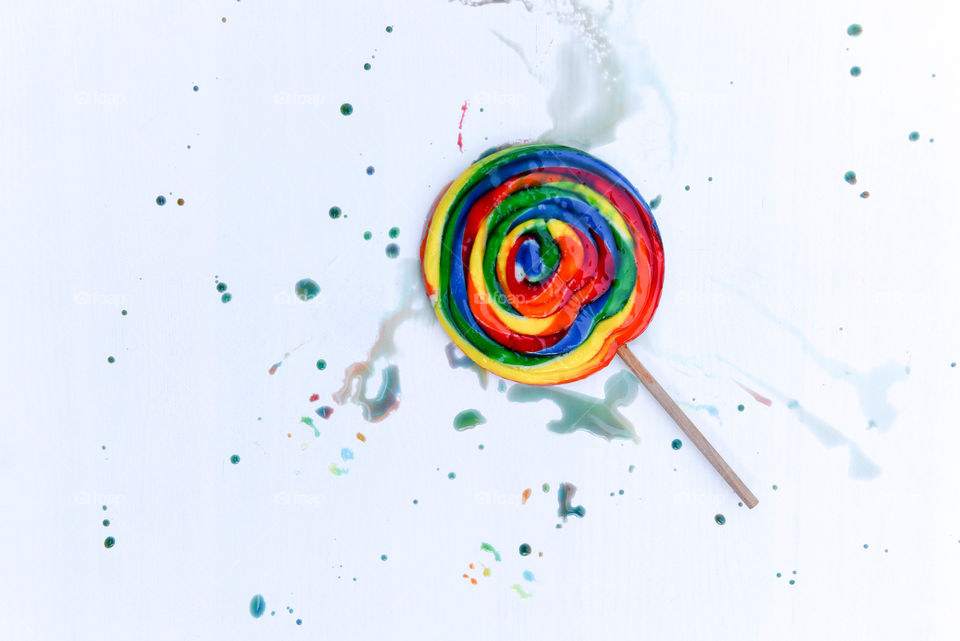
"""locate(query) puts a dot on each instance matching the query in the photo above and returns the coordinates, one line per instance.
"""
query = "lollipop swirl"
(540, 261)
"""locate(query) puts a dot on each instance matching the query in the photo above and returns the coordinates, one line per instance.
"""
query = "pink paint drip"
(757, 397)
(463, 114)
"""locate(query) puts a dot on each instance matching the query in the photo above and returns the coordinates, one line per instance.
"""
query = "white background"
(765, 264)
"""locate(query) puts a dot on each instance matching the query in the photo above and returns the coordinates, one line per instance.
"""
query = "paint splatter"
(392, 250)
(564, 498)
(655, 202)
(519, 590)
(161, 200)
(709, 409)
(528, 576)
(457, 359)
(109, 542)
(855, 71)
(914, 136)
(346, 109)
(314, 398)
(346, 454)
(335, 212)
(463, 113)
(257, 606)
(850, 177)
(486, 547)
(111, 359)
(720, 519)
(676, 444)
(336, 470)
(468, 419)
(361, 437)
(370, 170)
(235, 459)
(306, 420)
(321, 364)
(273, 368)
(581, 412)
(864, 194)
(306, 289)
(324, 411)
(854, 30)
(740, 408)
(452, 475)
(757, 397)
(525, 549)
(525, 496)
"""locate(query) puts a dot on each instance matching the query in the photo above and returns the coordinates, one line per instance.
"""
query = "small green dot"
(720, 519)
(104, 508)
(366, 66)
(480, 447)
(226, 298)
(778, 575)
(123, 312)
(389, 29)
(346, 109)
(740, 408)
(525, 549)
(854, 30)
(452, 475)
(914, 136)
(234, 459)
(686, 187)
(367, 235)
(106, 522)
(109, 542)
(383, 557)
(394, 232)
(111, 359)
(854, 71)
(335, 212)
(321, 364)
(676, 444)
(546, 488)
(221, 287)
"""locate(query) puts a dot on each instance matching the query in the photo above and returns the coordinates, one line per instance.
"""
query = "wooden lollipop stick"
(688, 427)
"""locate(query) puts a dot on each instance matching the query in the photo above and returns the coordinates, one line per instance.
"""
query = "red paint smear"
(273, 368)
(757, 397)
(315, 397)
(463, 114)
(526, 495)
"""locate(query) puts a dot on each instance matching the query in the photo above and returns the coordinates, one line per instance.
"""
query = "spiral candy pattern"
(540, 261)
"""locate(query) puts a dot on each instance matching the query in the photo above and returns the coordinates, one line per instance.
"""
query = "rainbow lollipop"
(541, 263)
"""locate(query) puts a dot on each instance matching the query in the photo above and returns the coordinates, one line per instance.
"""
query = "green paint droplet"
(366, 66)
(854, 30)
(452, 475)
(394, 232)
(720, 519)
(676, 444)
(389, 29)
(546, 488)
(686, 188)
(914, 136)
(774, 487)
(525, 549)
(234, 459)
(740, 407)
(367, 235)
(392, 250)
(161, 200)
(778, 575)
(221, 287)
(226, 298)
(468, 419)
(383, 557)
(111, 359)
(486, 547)
(123, 312)
(850, 177)
(346, 109)
(109, 542)
(306, 289)
(655, 202)
(321, 364)
(792, 582)
(335, 212)
(106, 522)
(480, 447)
(257, 606)
(854, 71)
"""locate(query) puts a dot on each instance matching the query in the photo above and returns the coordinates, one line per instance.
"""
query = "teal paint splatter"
(383, 557)
(457, 359)
(306, 420)
(321, 364)
(235, 459)
(226, 298)
(394, 232)
(850, 177)
(346, 109)
(740, 408)
(486, 547)
(854, 30)
(914, 136)
(720, 519)
(655, 202)
(111, 359)
(392, 250)
(335, 212)
(306, 289)
(525, 549)
(855, 71)
(109, 542)
(452, 475)
(257, 606)
(564, 497)
(106, 522)
(582, 412)
(161, 200)
(675, 444)
(468, 419)
(374, 408)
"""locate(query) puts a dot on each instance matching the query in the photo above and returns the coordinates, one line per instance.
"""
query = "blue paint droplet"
(383, 557)
(257, 606)
(161, 200)
(528, 575)
(370, 170)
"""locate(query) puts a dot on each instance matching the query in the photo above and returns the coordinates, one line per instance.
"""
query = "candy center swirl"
(540, 261)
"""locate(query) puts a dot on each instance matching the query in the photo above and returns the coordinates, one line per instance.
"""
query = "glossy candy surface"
(540, 261)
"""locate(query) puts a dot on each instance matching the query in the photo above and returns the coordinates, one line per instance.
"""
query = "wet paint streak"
(468, 419)
(486, 547)
(756, 396)
(526, 496)
(361, 437)
(463, 113)
(709, 409)
(598, 416)
(519, 590)
(564, 497)
(413, 304)
(336, 470)
(314, 397)
(273, 368)
(306, 420)
(458, 359)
